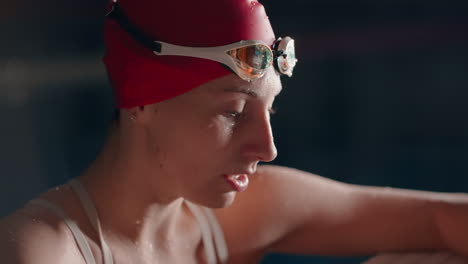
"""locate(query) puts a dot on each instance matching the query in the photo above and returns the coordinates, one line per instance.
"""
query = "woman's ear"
(134, 114)
(142, 114)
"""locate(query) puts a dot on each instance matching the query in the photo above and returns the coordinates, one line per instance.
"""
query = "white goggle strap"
(218, 54)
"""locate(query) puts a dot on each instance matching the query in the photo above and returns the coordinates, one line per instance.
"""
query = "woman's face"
(218, 129)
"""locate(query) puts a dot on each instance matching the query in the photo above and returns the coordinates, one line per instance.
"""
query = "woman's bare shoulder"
(31, 235)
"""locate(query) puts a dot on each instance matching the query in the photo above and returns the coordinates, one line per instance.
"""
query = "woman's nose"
(260, 144)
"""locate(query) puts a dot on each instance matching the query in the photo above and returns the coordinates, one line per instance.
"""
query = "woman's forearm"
(451, 217)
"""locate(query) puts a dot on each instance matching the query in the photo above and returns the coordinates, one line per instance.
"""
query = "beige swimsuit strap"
(91, 212)
(219, 241)
(211, 232)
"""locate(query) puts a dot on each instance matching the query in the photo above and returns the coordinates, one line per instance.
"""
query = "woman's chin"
(220, 201)
(228, 199)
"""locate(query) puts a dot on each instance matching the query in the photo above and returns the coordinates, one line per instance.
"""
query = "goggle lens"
(253, 60)
(287, 60)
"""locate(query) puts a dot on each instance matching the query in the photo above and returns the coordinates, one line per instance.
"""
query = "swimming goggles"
(249, 59)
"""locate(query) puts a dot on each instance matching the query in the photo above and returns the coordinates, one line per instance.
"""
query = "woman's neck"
(126, 197)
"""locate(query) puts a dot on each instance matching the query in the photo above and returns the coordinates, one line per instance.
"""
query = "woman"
(191, 131)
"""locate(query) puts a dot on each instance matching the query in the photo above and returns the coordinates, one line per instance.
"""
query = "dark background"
(378, 96)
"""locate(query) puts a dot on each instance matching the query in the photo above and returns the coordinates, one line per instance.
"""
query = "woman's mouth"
(239, 182)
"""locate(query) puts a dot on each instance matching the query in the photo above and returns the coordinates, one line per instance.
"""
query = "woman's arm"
(291, 211)
(452, 220)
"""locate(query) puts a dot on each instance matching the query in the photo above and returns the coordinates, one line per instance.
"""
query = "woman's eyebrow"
(242, 90)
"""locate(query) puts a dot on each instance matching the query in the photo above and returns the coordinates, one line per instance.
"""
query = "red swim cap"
(140, 77)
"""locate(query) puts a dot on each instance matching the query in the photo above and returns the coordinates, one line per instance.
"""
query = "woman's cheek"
(221, 129)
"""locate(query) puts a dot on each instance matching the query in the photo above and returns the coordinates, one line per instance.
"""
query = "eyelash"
(236, 115)
(273, 110)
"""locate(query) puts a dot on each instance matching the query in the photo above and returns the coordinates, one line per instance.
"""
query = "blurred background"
(378, 96)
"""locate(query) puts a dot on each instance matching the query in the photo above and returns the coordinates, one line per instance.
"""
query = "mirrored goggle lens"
(288, 60)
(253, 60)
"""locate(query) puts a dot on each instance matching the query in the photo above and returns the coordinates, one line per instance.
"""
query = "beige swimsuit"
(212, 235)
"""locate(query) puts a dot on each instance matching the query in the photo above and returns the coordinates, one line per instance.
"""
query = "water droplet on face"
(138, 222)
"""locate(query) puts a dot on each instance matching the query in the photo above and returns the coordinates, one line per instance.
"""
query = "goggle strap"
(117, 14)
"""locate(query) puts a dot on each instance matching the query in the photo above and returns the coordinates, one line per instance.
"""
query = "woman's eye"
(233, 114)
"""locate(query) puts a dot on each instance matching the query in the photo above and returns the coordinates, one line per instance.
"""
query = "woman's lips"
(239, 182)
